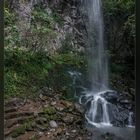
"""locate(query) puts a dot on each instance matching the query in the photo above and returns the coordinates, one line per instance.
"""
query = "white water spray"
(96, 100)
(98, 65)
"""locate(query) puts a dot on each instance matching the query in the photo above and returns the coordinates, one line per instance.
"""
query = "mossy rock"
(21, 129)
(49, 110)
(50, 113)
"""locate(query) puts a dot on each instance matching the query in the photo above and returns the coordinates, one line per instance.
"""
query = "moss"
(50, 113)
(49, 110)
(22, 129)
(50, 117)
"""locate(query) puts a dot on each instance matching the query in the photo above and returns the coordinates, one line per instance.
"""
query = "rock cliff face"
(68, 31)
(72, 28)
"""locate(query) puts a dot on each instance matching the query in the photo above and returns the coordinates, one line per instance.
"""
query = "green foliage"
(50, 113)
(12, 85)
(130, 27)
(57, 18)
(41, 30)
(25, 72)
(59, 78)
(11, 30)
(37, 37)
(40, 16)
(8, 17)
(49, 110)
(21, 129)
(66, 45)
(118, 8)
(69, 59)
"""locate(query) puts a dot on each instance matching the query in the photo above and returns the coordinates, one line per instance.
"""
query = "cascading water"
(98, 66)
(130, 121)
(97, 114)
(100, 112)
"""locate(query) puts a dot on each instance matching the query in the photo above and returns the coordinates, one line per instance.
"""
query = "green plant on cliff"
(25, 72)
(12, 38)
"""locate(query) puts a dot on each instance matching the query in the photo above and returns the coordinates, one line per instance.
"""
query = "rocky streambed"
(50, 117)
(47, 118)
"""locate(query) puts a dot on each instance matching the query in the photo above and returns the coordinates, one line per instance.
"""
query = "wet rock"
(111, 97)
(53, 124)
(124, 101)
(118, 115)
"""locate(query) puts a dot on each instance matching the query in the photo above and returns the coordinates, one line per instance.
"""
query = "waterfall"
(102, 108)
(97, 114)
(98, 66)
